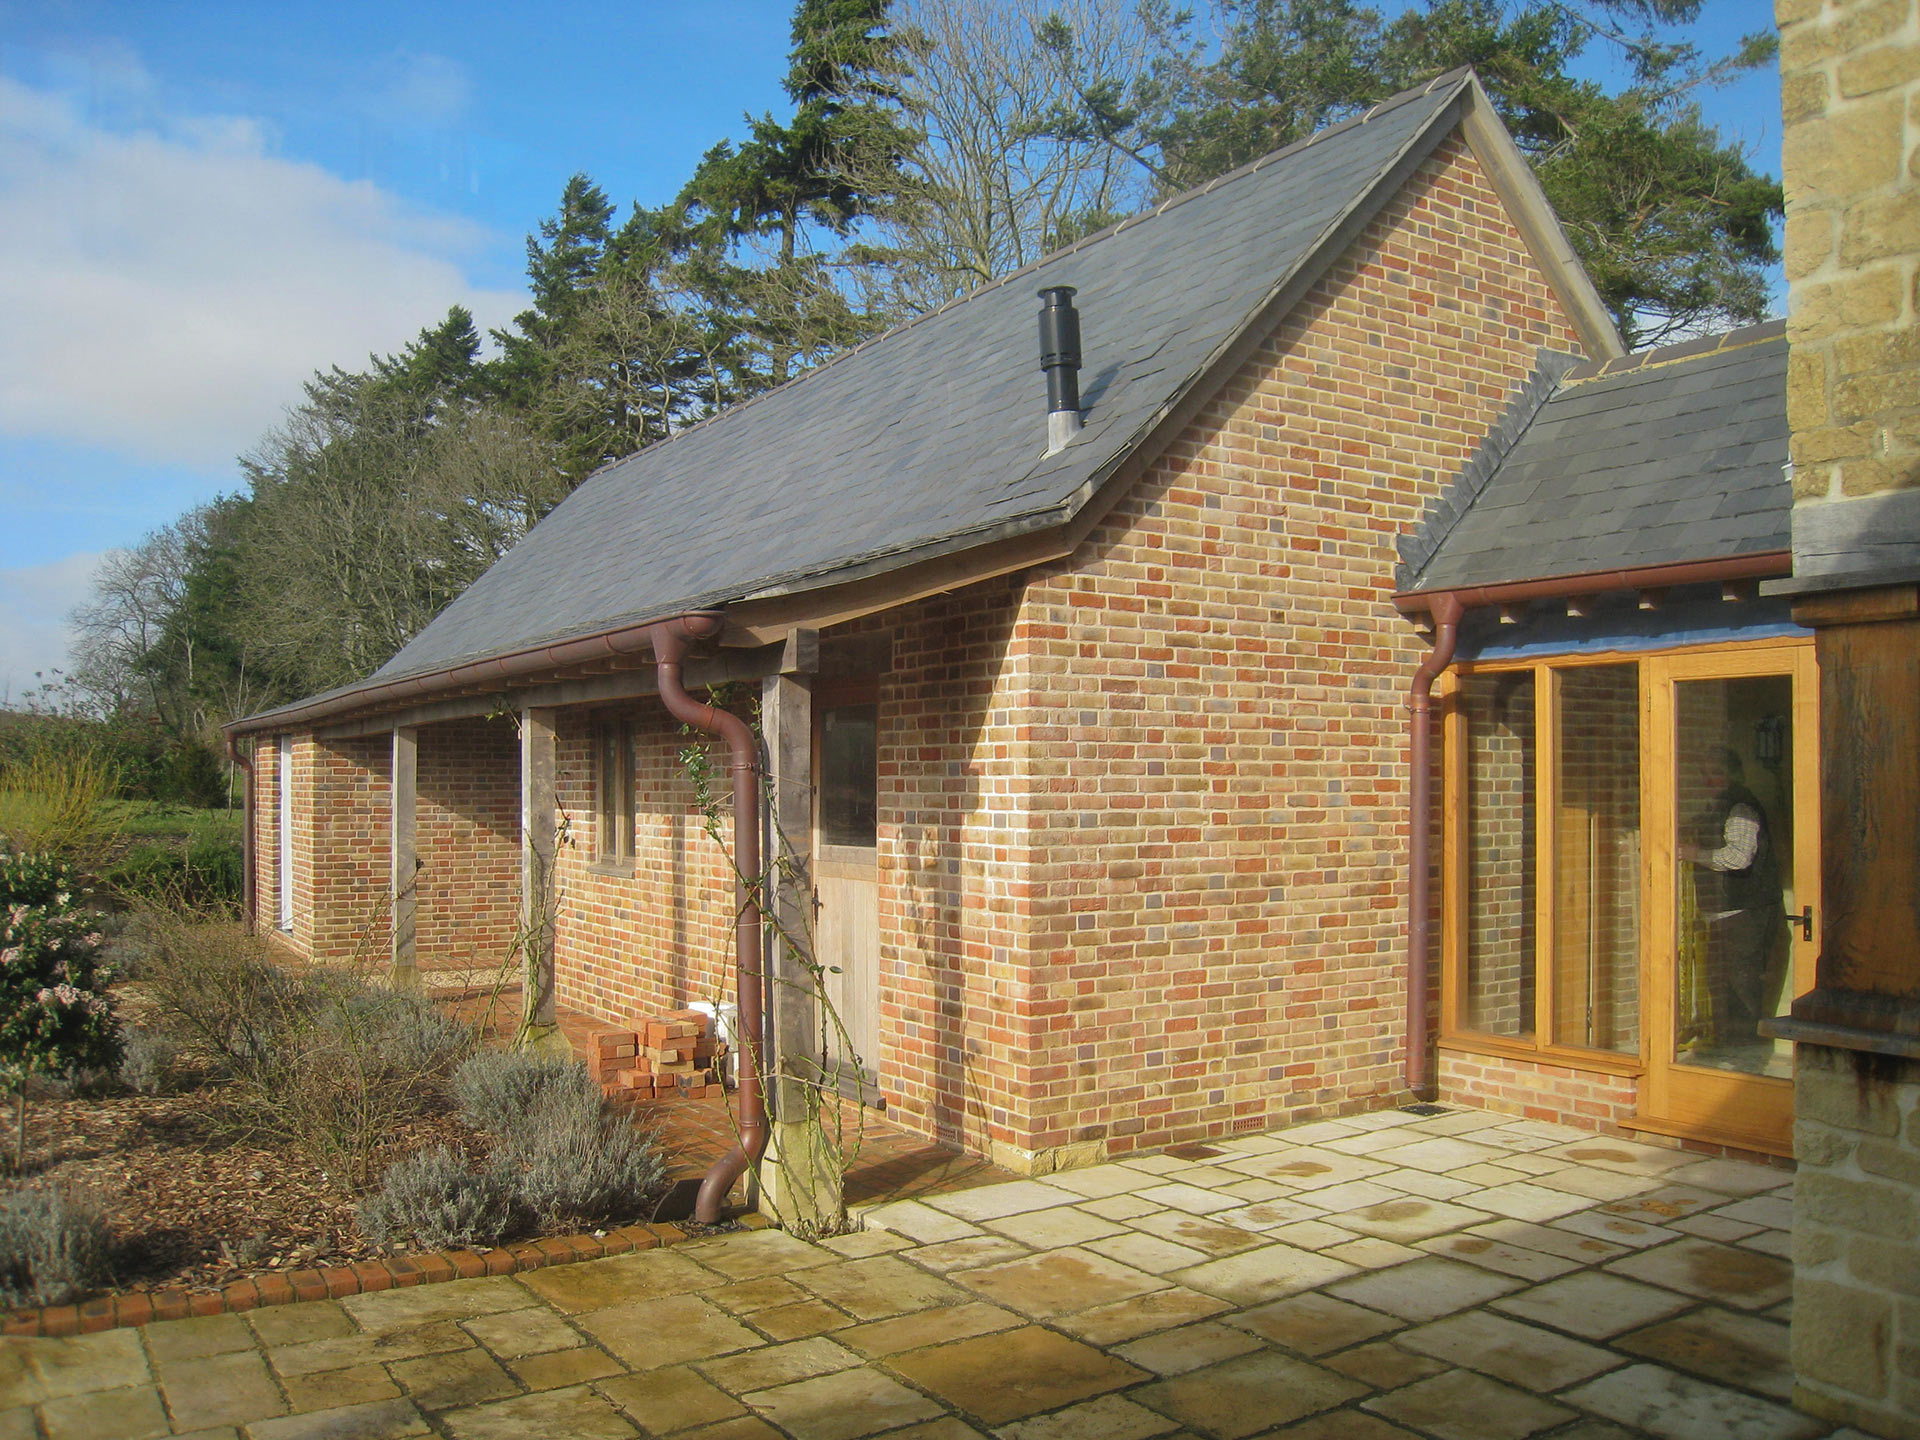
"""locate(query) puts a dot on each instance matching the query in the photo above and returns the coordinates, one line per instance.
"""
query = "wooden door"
(1731, 788)
(845, 850)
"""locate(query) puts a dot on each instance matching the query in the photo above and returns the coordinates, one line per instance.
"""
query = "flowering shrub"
(54, 1012)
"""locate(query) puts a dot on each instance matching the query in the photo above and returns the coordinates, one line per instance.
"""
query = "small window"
(849, 775)
(613, 792)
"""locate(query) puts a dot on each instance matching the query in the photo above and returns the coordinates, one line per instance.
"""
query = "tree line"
(924, 147)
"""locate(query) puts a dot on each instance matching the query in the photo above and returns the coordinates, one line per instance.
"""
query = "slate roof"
(934, 434)
(1658, 458)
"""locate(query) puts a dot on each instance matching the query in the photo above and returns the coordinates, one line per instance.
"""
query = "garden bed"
(190, 1208)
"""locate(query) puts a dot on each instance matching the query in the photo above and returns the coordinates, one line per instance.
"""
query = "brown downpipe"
(1446, 611)
(670, 639)
(245, 762)
(1446, 607)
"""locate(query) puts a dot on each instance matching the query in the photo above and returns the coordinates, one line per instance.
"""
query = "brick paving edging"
(140, 1307)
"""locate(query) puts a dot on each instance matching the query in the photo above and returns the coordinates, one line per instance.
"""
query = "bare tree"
(125, 653)
(1001, 185)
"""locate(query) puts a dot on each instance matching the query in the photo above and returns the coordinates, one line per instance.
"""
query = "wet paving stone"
(1059, 1282)
(1728, 1274)
(1425, 1289)
(1111, 1417)
(669, 1400)
(1460, 1405)
(1314, 1324)
(843, 1406)
(1246, 1395)
(1593, 1305)
(1523, 1355)
(1741, 1350)
(1174, 1352)
(882, 1286)
(1679, 1407)
(1014, 1374)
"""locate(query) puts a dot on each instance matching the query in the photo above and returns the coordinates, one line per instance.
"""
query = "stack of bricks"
(669, 1055)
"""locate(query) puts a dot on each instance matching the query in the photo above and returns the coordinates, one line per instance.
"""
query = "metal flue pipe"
(1060, 358)
(670, 641)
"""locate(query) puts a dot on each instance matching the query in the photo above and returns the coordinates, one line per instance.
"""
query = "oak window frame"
(614, 808)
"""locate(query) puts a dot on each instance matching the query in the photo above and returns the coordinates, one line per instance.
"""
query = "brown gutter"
(247, 901)
(1760, 565)
(496, 670)
(1447, 607)
(1446, 612)
(669, 639)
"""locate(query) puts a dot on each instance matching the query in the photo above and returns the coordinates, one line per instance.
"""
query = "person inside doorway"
(1738, 893)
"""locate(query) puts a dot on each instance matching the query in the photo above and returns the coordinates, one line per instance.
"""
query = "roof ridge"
(1457, 77)
(1680, 350)
(1446, 510)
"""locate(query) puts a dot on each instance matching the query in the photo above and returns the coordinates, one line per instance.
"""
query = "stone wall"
(1850, 72)
(1856, 1239)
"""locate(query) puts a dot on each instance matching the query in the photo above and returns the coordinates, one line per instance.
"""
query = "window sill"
(611, 869)
(1566, 1057)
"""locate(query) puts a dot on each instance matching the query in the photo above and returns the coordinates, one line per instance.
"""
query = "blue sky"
(202, 203)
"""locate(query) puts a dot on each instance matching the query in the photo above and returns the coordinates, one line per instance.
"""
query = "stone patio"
(1463, 1276)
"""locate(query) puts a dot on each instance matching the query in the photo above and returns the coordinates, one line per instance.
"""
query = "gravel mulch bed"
(187, 1206)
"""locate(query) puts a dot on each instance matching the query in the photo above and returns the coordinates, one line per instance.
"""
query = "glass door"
(1731, 783)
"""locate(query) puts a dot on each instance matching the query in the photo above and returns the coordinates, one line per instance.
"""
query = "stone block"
(1866, 396)
(1815, 1245)
(1803, 95)
(1884, 1264)
(1832, 443)
(1875, 477)
(1880, 227)
(1829, 1089)
(1896, 1162)
(1881, 350)
(1809, 241)
(1847, 154)
(1879, 69)
(1841, 1337)
(1863, 25)
(1860, 1206)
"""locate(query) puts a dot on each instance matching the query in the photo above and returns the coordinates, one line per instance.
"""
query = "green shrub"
(573, 1161)
(514, 1095)
(587, 1173)
(60, 804)
(55, 1017)
(437, 1200)
(316, 1057)
(147, 1060)
(53, 1250)
(204, 873)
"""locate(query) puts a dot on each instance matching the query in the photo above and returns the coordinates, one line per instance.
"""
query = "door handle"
(1804, 920)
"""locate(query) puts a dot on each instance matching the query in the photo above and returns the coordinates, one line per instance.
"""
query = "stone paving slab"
(1464, 1276)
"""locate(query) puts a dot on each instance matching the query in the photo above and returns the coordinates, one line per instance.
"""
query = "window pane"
(1498, 710)
(849, 775)
(1734, 856)
(1596, 836)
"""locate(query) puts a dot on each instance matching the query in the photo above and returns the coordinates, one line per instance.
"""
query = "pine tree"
(771, 226)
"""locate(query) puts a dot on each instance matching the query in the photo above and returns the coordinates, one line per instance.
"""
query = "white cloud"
(34, 602)
(166, 288)
(418, 90)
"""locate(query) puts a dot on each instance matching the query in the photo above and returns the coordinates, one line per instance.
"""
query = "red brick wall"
(1142, 817)
(1586, 1099)
(655, 935)
(467, 829)
(343, 786)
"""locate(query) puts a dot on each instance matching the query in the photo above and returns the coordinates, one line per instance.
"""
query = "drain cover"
(1424, 1109)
